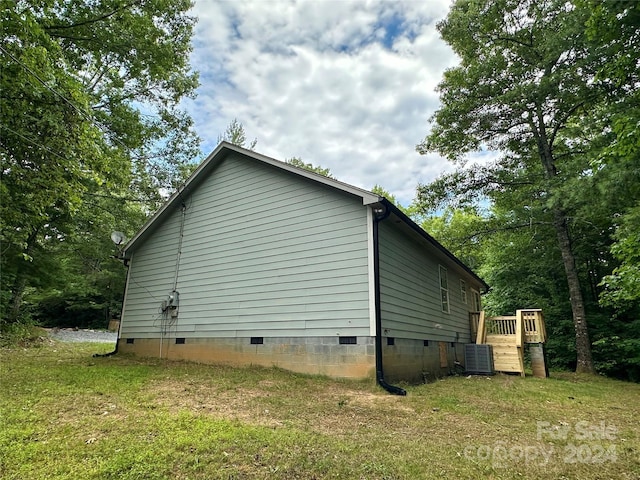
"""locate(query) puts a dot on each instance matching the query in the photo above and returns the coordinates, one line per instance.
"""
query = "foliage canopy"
(91, 134)
(532, 85)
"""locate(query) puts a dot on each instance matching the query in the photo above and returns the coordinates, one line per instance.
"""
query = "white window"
(463, 291)
(444, 289)
(476, 304)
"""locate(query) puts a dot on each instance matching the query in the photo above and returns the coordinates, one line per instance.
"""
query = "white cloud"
(346, 85)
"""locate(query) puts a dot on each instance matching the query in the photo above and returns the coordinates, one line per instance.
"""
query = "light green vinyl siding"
(410, 293)
(264, 253)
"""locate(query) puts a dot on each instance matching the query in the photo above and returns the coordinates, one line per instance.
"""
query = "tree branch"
(114, 197)
(565, 117)
(93, 20)
(505, 229)
(68, 37)
(510, 39)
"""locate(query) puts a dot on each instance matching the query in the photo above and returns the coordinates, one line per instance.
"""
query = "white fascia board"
(217, 156)
(367, 197)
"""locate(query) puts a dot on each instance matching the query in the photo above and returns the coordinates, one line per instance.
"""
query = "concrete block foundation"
(413, 361)
(313, 355)
(416, 361)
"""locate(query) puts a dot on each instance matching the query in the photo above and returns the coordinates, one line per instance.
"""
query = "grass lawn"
(65, 414)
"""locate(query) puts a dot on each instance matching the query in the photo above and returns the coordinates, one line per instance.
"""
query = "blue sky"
(348, 85)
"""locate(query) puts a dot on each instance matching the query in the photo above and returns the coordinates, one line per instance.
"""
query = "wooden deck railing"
(501, 325)
(534, 328)
(507, 335)
(532, 324)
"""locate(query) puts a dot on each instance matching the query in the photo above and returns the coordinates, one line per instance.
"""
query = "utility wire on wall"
(180, 238)
(168, 314)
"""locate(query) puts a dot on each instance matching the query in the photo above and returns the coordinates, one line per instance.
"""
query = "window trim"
(463, 291)
(444, 289)
(476, 306)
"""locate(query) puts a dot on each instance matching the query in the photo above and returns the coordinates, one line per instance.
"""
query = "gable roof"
(224, 149)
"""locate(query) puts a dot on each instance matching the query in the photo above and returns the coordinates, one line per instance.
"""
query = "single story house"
(255, 261)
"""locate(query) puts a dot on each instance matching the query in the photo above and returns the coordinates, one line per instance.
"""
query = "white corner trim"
(371, 276)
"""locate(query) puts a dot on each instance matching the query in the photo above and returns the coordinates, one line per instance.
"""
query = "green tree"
(619, 343)
(235, 134)
(409, 211)
(525, 85)
(298, 162)
(89, 95)
(89, 280)
(615, 26)
(461, 231)
(379, 190)
(623, 284)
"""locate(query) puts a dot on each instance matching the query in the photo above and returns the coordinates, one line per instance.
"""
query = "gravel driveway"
(71, 335)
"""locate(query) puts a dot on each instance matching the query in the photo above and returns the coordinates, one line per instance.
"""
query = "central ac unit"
(478, 359)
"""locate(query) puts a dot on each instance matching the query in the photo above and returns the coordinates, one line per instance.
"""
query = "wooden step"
(501, 340)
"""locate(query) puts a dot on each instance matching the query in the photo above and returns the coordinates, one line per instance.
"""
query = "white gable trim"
(216, 157)
(223, 150)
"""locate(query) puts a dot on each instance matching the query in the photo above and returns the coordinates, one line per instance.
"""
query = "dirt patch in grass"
(68, 415)
(334, 409)
(177, 396)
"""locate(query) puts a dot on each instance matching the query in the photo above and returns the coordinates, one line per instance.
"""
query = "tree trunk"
(583, 345)
(584, 362)
(20, 283)
(17, 292)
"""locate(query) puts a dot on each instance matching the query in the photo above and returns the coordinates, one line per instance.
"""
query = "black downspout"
(380, 214)
(108, 354)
